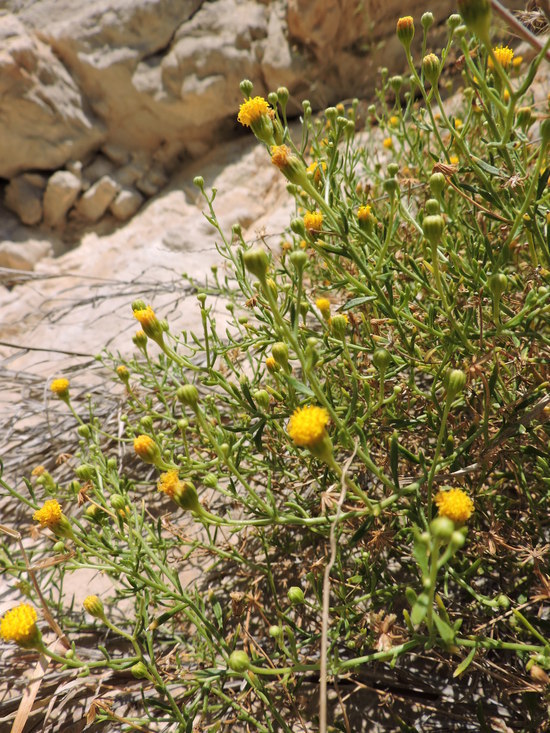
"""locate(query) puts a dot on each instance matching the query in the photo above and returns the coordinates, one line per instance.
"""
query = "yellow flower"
(324, 306)
(38, 471)
(453, 160)
(19, 625)
(146, 448)
(394, 121)
(280, 155)
(458, 123)
(517, 61)
(271, 364)
(168, 483)
(94, 606)
(364, 213)
(307, 425)
(317, 170)
(60, 387)
(146, 317)
(50, 515)
(388, 143)
(313, 221)
(251, 110)
(504, 56)
(454, 504)
(506, 96)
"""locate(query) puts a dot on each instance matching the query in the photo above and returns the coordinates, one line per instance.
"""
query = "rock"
(95, 202)
(99, 167)
(61, 193)
(44, 120)
(23, 255)
(126, 204)
(24, 197)
(152, 181)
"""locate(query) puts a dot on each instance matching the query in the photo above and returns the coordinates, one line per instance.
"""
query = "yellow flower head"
(146, 448)
(307, 425)
(146, 317)
(271, 364)
(19, 625)
(453, 160)
(313, 221)
(94, 606)
(394, 121)
(504, 56)
(60, 387)
(317, 170)
(168, 483)
(324, 306)
(454, 504)
(38, 471)
(280, 155)
(517, 61)
(251, 110)
(364, 213)
(387, 143)
(123, 372)
(458, 123)
(50, 515)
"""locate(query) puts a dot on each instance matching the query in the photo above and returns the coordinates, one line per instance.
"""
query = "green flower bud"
(453, 21)
(437, 184)
(188, 395)
(210, 481)
(198, 181)
(391, 186)
(457, 539)
(299, 259)
(275, 631)
(256, 262)
(442, 528)
(262, 399)
(396, 82)
(118, 502)
(433, 227)
(139, 671)
(139, 305)
(246, 87)
(239, 661)
(280, 354)
(59, 547)
(296, 595)
(273, 99)
(431, 67)
(525, 117)
(497, 284)
(140, 340)
(298, 227)
(93, 513)
(432, 207)
(331, 113)
(456, 381)
(339, 325)
(282, 96)
(85, 472)
(84, 431)
(393, 169)
(146, 423)
(427, 20)
(381, 359)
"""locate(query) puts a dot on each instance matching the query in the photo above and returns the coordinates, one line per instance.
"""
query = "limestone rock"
(126, 204)
(61, 193)
(23, 255)
(95, 202)
(43, 120)
(24, 197)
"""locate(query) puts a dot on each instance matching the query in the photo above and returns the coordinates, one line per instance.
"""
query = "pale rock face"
(43, 121)
(61, 193)
(24, 256)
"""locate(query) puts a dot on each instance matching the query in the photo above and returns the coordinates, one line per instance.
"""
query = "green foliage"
(408, 310)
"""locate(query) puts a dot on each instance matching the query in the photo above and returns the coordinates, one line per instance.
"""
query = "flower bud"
(282, 96)
(275, 631)
(456, 381)
(396, 82)
(140, 340)
(262, 399)
(427, 20)
(239, 661)
(339, 325)
(298, 227)
(393, 169)
(94, 606)
(437, 184)
(405, 31)
(497, 284)
(299, 259)
(118, 502)
(280, 354)
(139, 671)
(381, 359)
(198, 181)
(256, 262)
(188, 395)
(442, 528)
(433, 227)
(432, 207)
(525, 117)
(296, 595)
(146, 448)
(453, 21)
(84, 431)
(246, 87)
(431, 68)
(85, 472)
(59, 546)
(391, 186)
(457, 538)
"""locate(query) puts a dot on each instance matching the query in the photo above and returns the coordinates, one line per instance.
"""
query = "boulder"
(23, 255)
(126, 204)
(24, 197)
(97, 199)
(61, 193)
